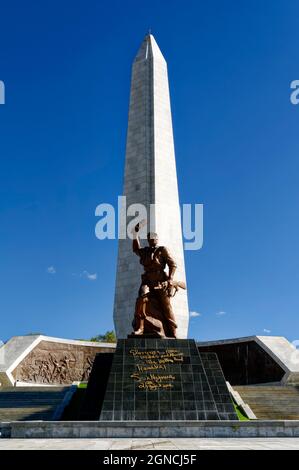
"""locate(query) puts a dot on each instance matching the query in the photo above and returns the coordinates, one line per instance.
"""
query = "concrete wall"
(32, 359)
(256, 359)
(92, 429)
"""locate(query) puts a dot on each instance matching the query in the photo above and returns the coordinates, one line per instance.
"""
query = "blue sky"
(66, 68)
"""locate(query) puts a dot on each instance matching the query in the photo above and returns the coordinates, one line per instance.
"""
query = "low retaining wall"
(95, 429)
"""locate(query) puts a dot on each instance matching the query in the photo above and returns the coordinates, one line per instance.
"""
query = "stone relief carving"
(55, 363)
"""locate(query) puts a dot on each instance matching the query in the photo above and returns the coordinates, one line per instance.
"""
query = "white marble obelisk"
(150, 178)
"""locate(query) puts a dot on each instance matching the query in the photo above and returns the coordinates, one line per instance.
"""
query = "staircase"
(29, 403)
(271, 401)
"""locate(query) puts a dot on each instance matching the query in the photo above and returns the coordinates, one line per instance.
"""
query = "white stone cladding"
(150, 178)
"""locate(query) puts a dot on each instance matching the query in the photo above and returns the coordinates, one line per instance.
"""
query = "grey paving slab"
(151, 444)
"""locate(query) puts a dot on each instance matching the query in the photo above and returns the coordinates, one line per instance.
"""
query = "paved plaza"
(151, 444)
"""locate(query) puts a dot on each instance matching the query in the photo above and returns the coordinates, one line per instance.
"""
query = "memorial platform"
(165, 379)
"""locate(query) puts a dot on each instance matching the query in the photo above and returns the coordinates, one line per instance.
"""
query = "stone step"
(272, 399)
(279, 393)
(30, 403)
(24, 396)
(18, 390)
(286, 393)
(276, 397)
(26, 411)
(31, 399)
(28, 394)
(34, 416)
(275, 410)
(275, 402)
(278, 388)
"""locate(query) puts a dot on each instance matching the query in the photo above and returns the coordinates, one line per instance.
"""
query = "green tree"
(33, 333)
(108, 337)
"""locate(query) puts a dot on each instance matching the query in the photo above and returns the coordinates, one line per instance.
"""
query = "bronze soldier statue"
(153, 312)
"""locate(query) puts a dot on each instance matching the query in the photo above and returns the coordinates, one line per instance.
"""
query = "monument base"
(165, 379)
(148, 429)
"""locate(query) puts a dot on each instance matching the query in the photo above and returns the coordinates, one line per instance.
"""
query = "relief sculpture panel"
(57, 363)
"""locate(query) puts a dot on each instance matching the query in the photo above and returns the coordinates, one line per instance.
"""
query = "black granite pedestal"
(165, 379)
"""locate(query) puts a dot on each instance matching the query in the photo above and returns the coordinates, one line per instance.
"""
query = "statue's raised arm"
(136, 246)
(136, 241)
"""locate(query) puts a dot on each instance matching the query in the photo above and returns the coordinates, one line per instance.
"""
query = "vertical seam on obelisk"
(150, 156)
(152, 167)
(147, 127)
(148, 114)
